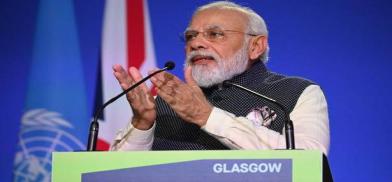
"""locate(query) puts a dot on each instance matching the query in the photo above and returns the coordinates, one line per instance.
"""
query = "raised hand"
(140, 99)
(186, 99)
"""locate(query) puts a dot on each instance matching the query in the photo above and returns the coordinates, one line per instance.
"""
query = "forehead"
(223, 18)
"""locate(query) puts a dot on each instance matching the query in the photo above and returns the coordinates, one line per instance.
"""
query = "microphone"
(94, 126)
(288, 124)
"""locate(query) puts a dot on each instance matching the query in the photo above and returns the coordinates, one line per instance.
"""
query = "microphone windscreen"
(170, 65)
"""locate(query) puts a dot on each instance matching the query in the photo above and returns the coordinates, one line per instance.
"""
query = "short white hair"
(256, 24)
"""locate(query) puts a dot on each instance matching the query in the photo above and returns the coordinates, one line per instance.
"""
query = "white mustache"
(193, 54)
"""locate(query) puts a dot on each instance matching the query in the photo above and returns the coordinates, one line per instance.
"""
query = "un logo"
(42, 133)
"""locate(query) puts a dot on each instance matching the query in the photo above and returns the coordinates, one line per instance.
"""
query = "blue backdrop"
(344, 45)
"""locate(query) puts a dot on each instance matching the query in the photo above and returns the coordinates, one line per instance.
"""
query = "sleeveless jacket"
(172, 133)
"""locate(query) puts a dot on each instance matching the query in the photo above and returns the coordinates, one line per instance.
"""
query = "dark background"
(344, 45)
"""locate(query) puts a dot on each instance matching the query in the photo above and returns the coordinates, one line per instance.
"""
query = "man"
(224, 41)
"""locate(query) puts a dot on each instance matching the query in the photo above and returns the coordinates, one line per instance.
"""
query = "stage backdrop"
(344, 45)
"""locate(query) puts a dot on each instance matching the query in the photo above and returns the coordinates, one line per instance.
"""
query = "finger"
(188, 77)
(190, 80)
(152, 71)
(117, 72)
(117, 67)
(156, 81)
(166, 82)
(173, 78)
(168, 79)
(122, 79)
(166, 96)
(158, 76)
(137, 76)
(122, 76)
(163, 89)
(120, 71)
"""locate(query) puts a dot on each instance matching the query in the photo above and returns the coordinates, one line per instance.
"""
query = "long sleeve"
(309, 116)
(131, 138)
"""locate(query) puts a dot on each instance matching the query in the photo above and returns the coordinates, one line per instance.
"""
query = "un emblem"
(42, 133)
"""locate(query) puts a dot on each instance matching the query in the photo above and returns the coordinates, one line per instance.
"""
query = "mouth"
(199, 59)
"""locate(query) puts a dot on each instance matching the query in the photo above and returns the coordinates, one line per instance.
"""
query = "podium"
(189, 166)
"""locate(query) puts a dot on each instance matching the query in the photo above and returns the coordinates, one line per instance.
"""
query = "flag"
(127, 40)
(55, 116)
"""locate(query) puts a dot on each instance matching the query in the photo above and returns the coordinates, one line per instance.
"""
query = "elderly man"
(224, 41)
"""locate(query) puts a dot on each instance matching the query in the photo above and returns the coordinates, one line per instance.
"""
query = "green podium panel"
(227, 165)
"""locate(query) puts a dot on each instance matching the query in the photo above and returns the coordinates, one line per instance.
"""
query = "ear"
(258, 45)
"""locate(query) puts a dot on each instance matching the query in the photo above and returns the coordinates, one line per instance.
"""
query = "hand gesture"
(186, 99)
(140, 98)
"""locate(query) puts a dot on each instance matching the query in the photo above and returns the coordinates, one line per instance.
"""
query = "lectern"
(191, 166)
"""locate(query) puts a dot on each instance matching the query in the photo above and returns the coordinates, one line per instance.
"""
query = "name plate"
(201, 170)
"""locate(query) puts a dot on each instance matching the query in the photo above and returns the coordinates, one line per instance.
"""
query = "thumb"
(188, 77)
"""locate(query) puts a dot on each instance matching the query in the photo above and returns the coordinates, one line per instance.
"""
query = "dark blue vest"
(172, 133)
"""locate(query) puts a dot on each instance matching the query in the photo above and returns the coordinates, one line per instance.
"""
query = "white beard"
(207, 76)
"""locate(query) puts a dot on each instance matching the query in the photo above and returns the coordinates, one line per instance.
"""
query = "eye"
(215, 34)
(190, 35)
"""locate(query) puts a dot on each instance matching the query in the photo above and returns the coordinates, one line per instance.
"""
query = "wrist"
(142, 125)
(204, 117)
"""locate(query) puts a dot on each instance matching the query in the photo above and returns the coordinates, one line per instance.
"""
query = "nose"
(198, 43)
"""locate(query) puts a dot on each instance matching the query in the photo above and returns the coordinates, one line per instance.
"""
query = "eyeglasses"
(212, 35)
